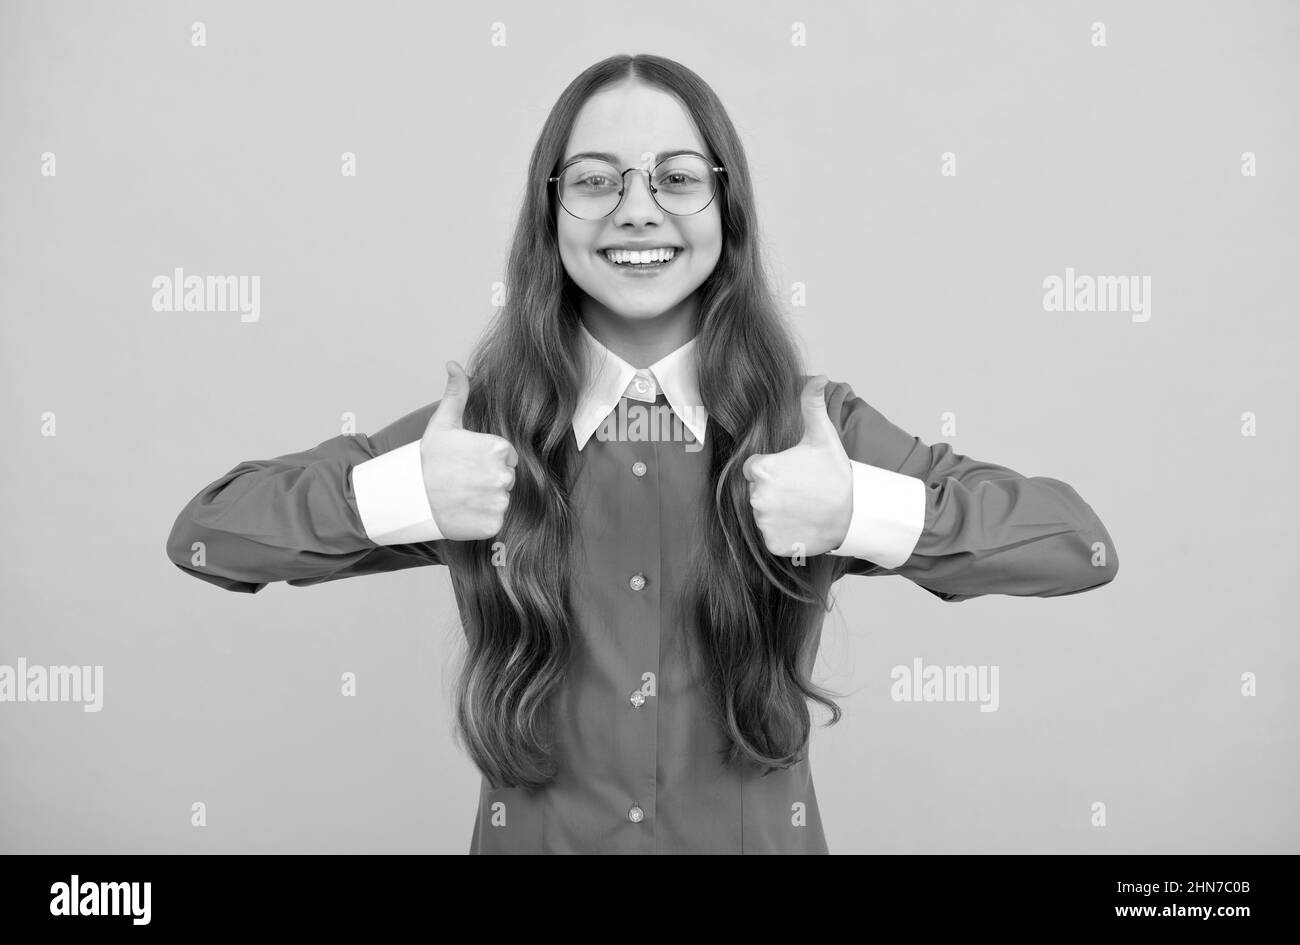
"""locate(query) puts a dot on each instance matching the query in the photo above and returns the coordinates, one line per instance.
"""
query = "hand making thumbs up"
(468, 476)
(803, 497)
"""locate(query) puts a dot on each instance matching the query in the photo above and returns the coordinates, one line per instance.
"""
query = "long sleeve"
(987, 529)
(296, 518)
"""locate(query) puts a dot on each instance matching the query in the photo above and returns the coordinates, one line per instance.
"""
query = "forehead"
(630, 120)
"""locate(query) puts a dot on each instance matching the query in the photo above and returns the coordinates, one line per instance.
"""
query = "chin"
(641, 309)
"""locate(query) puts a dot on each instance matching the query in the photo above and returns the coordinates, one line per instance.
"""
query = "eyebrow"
(613, 158)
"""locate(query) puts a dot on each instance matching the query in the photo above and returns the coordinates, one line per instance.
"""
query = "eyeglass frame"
(622, 191)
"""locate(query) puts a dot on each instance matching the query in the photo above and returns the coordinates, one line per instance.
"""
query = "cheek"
(567, 241)
(706, 241)
(575, 251)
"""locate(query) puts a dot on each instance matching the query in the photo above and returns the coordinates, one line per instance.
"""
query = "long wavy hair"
(756, 613)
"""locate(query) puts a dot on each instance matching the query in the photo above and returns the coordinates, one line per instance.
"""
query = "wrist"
(844, 507)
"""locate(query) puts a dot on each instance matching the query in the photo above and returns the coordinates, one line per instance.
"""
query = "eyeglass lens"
(682, 184)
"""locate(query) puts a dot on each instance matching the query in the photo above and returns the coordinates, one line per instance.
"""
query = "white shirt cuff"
(392, 500)
(888, 516)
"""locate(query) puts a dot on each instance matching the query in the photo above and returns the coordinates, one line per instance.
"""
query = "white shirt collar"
(609, 378)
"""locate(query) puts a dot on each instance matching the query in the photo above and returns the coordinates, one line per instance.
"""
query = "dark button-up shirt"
(639, 760)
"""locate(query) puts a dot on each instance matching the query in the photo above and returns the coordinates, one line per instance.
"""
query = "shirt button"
(641, 386)
(637, 698)
(636, 582)
(636, 814)
(638, 468)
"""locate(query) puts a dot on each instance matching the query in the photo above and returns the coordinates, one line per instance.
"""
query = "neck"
(641, 341)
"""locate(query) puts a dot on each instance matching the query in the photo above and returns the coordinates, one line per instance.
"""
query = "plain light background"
(924, 292)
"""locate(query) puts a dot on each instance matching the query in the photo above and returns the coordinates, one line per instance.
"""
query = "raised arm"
(960, 527)
(330, 512)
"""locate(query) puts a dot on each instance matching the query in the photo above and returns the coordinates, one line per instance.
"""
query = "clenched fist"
(803, 497)
(468, 476)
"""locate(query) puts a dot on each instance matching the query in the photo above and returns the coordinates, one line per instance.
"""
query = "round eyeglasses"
(681, 185)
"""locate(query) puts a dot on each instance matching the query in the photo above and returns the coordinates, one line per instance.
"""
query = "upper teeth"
(661, 254)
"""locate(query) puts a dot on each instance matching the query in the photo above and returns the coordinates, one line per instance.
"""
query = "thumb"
(452, 406)
(818, 430)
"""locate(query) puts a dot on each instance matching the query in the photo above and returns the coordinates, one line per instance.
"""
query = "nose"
(638, 205)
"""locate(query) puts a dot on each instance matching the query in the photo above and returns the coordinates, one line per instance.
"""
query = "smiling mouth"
(652, 260)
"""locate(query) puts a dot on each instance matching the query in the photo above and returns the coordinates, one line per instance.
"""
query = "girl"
(643, 502)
